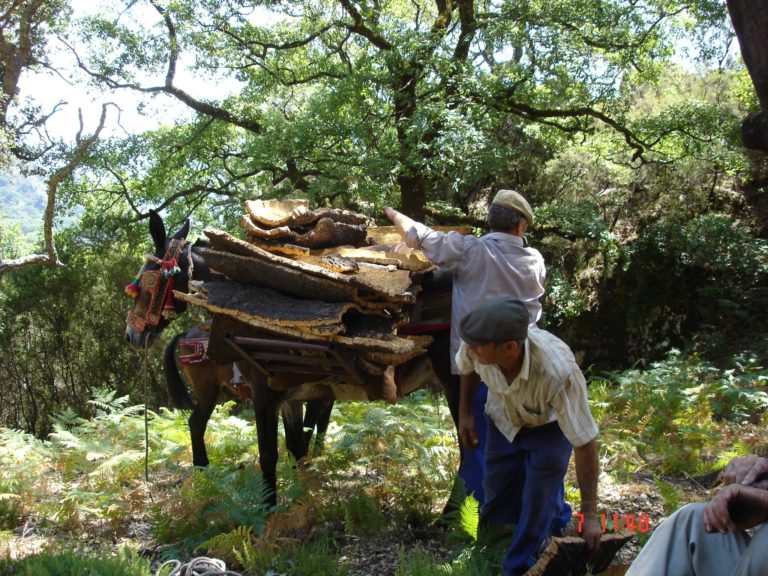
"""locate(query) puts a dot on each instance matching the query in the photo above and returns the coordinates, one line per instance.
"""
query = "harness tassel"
(132, 288)
(169, 310)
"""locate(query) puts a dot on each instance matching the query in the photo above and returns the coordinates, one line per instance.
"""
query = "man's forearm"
(468, 389)
(402, 222)
(587, 473)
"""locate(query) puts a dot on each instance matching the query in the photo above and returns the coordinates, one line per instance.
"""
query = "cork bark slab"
(272, 213)
(380, 343)
(289, 280)
(272, 306)
(323, 234)
(384, 255)
(296, 213)
(393, 284)
(389, 234)
(569, 555)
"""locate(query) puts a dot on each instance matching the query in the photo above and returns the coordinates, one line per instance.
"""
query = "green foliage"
(469, 516)
(362, 515)
(212, 501)
(62, 335)
(317, 557)
(76, 564)
(230, 438)
(670, 495)
(415, 462)
(668, 416)
(230, 546)
(22, 457)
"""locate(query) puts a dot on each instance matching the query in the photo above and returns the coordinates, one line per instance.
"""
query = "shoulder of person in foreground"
(551, 355)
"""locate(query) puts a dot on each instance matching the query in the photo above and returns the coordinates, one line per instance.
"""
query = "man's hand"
(747, 471)
(468, 431)
(735, 508)
(591, 531)
(401, 221)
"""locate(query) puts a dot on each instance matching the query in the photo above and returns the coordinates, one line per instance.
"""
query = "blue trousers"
(524, 486)
(472, 466)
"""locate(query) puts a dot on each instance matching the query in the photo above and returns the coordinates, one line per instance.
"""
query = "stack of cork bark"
(314, 276)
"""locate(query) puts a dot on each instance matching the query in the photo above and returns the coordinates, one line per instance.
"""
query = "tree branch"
(51, 257)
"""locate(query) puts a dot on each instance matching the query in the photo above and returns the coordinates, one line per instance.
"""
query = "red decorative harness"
(199, 352)
(159, 284)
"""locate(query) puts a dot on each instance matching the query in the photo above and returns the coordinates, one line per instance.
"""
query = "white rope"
(145, 371)
(200, 566)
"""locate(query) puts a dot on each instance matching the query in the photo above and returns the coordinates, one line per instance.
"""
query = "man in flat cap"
(538, 414)
(499, 263)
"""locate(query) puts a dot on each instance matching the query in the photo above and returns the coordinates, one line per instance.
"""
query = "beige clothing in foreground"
(681, 547)
(550, 387)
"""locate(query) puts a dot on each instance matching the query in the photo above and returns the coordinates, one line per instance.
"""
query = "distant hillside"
(22, 202)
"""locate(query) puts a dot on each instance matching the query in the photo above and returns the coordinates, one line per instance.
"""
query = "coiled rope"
(200, 566)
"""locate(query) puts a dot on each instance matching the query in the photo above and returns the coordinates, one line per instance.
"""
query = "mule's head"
(152, 289)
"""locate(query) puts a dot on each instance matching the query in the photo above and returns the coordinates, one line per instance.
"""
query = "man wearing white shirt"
(498, 263)
(538, 414)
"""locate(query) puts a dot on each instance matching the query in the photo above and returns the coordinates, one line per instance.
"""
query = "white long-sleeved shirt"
(496, 264)
(549, 387)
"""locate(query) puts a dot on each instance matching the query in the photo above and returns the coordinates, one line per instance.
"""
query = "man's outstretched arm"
(587, 473)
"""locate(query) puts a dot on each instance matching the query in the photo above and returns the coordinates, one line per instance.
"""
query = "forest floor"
(380, 552)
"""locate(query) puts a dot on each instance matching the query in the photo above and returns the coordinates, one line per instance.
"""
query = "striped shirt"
(497, 264)
(550, 387)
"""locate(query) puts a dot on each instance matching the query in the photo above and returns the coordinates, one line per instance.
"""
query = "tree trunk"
(750, 22)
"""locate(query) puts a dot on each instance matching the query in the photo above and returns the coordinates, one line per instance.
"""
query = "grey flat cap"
(497, 320)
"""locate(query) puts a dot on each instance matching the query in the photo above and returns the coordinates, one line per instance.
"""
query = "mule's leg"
(266, 405)
(206, 387)
(317, 416)
(293, 425)
(439, 354)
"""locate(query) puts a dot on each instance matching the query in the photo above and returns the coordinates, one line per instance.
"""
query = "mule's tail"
(177, 388)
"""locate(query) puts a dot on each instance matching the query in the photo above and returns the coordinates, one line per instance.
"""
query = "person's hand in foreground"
(747, 471)
(735, 508)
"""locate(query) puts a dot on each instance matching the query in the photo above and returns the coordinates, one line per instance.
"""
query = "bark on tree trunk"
(750, 22)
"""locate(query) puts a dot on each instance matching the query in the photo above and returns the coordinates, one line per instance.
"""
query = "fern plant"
(670, 416)
(75, 564)
(406, 453)
(23, 460)
(211, 501)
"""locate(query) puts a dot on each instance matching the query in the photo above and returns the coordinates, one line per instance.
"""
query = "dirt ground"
(635, 498)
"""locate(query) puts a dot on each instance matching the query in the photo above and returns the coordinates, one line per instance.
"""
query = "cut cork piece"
(272, 306)
(392, 283)
(569, 555)
(382, 342)
(274, 213)
(285, 279)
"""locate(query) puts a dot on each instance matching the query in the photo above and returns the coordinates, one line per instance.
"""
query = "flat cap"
(514, 201)
(497, 320)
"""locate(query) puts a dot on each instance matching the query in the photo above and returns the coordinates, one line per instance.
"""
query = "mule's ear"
(182, 234)
(157, 230)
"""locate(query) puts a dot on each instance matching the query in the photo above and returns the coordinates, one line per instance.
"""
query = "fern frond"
(469, 516)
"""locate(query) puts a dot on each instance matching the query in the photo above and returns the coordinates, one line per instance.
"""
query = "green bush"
(670, 416)
(211, 501)
(75, 564)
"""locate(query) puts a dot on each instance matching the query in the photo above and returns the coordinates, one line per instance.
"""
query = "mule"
(209, 381)
(180, 261)
(171, 266)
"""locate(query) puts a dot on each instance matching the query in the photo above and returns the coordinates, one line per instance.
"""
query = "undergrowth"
(124, 563)
(383, 468)
(670, 417)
